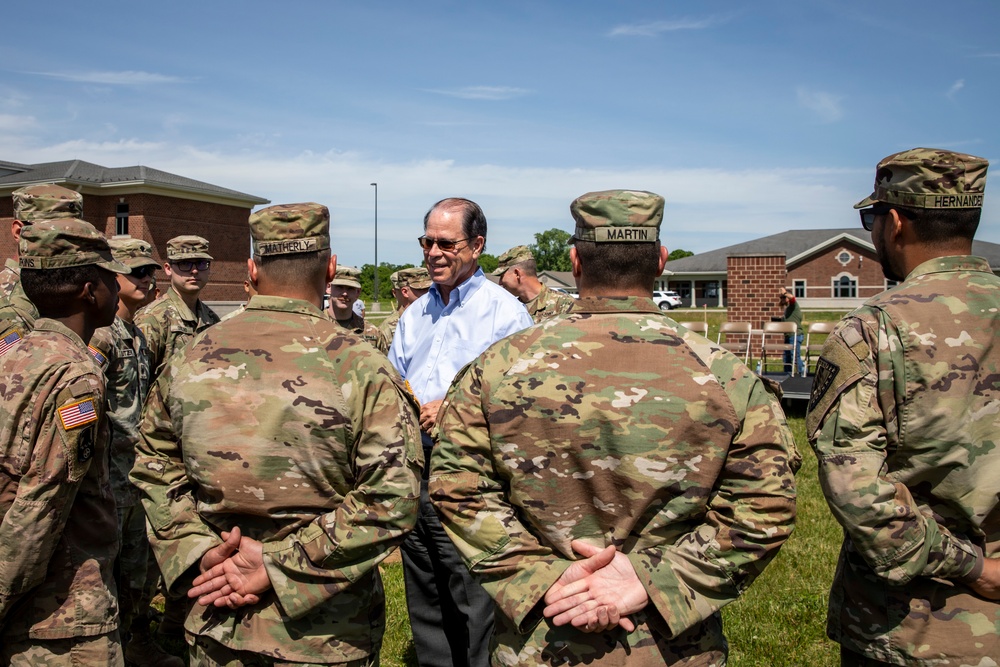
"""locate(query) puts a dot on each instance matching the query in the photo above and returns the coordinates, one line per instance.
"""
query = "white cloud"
(825, 105)
(13, 123)
(955, 87)
(654, 28)
(124, 78)
(492, 93)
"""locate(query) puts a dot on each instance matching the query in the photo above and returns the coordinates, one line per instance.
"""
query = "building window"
(799, 289)
(845, 287)
(121, 220)
(844, 257)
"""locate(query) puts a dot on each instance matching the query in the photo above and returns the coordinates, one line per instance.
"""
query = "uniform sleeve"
(750, 513)
(323, 558)
(847, 425)
(177, 534)
(156, 340)
(59, 456)
(514, 567)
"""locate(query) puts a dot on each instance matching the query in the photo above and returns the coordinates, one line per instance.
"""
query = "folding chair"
(820, 329)
(778, 330)
(696, 327)
(737, 341)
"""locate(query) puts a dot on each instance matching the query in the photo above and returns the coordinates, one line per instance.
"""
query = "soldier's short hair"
(294, 268)
(53, 291)
(620, 265)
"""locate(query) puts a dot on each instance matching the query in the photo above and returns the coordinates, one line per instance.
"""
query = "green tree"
(488, 262)
(678, 254)
(551, 250)
(384, 284)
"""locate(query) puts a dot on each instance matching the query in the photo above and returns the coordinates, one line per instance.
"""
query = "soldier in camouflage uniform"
(344, 290)
(58, 535)
(408, 285)
(519, 275)
(904, 419)
(121, 352)
(172, 320)
(279, 433)
(612, 432)
(31, 203)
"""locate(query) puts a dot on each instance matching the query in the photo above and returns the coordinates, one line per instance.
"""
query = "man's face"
(450, 268)
(188, 276)
(508, 281)
(342, 298)
(106, 293)
(133, 288)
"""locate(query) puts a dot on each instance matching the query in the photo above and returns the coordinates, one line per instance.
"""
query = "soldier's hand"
(216, 555)
(429, 414)
(988, 583)
(239, 580)
(597, 593)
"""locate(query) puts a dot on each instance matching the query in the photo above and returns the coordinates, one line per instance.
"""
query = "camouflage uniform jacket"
(281, 423)
(121, 352)
(548, 303)
(358, 325)
(10, 276)
(168, 324)
(58, 534)
(17, 312)
(383, 341)
(613, 424)
(904, 421)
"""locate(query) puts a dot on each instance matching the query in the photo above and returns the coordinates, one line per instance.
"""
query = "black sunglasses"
(868, 215)
(143, 271)
(445, 245)
(186, 265)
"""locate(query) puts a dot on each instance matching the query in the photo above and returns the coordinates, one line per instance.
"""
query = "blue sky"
(749, 118)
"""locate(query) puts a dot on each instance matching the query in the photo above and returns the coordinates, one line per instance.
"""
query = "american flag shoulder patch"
(9, 340)
(78, 414)
(99, 357)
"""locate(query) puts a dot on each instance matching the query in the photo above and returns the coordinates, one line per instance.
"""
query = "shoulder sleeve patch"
(838, 369)
(9, 340)
(99, 356)
(78, 414)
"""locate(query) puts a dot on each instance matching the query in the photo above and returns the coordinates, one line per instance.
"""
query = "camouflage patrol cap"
(187, 247)
(46, 202)
(288, 229)
(415, 277)
(63, 243)
(929, 178)
(516, 255)
(133, 253)
(617, 216)
(347, 276)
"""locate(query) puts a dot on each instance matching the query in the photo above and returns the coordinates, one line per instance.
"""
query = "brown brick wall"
(158, 218)
(819, 270)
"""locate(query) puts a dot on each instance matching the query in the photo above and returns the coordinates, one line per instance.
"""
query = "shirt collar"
(952, 263)
(284, 304)
(614, 304)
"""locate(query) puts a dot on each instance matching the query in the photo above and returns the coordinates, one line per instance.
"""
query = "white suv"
(667, 300)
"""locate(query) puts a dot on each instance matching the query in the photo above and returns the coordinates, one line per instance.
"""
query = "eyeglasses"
(868, 215)
(144, 271)
(445, 245)
(186, 265)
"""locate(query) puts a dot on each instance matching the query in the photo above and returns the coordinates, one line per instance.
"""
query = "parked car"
(667, 300)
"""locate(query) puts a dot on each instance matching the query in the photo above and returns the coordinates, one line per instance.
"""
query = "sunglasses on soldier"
(868, 215)
(186, 265)
(143, 271)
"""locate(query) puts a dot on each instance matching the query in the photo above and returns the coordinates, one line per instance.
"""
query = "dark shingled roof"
(78, 172)
(794, 243)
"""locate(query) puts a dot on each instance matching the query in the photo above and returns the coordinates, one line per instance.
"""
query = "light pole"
(375, 307)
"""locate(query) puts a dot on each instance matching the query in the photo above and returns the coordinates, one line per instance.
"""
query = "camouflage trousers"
(849, 658)
(72, 652)
(207, 652)
(136, 581)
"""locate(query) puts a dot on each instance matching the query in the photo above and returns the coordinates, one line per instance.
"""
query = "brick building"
(148, 204)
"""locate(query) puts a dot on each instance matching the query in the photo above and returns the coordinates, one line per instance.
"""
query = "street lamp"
(375, 307)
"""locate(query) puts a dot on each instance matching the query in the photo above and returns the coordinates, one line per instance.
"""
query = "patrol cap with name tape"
(348, 276)
(617, 216)
(929, 178)
(187, 247)
(516, 255)
(46, 202)
(288, 229)
(415, 277)
(133, 253)
(64, 243)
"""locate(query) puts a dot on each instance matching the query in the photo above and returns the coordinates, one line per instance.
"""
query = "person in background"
(793, 313)
(408, 285)
(519, 276)
(344, 290)
(904, 419)
(461, 315)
